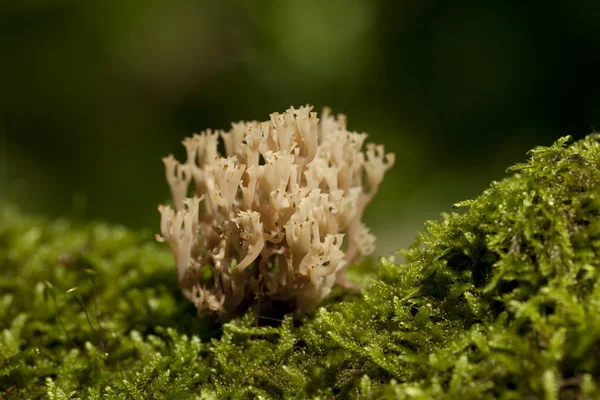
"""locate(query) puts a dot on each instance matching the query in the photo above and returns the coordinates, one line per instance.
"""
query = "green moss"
(499, 299)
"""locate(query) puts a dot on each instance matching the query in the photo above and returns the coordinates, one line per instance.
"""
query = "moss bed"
(500, 299)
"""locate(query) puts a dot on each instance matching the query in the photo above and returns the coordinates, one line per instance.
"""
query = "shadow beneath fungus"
(185, 319)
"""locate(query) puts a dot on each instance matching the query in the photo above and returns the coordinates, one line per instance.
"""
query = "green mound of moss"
(498, 299)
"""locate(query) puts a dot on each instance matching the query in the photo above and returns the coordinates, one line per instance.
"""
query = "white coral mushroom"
(271, 217)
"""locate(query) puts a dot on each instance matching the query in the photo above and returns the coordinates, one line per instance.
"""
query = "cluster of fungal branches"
(278, 215)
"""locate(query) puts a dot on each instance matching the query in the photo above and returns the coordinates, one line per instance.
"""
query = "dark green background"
(94, 93)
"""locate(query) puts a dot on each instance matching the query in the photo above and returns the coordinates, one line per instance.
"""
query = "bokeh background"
(94, 93)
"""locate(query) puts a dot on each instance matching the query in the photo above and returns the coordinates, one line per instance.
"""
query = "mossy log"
(499, 299)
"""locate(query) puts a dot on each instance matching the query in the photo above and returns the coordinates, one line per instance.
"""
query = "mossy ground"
(499, 299)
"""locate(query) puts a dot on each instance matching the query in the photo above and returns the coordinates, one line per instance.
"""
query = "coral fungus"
(279, 215)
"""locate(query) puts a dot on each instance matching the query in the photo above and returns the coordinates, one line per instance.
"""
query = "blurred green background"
(94, 93)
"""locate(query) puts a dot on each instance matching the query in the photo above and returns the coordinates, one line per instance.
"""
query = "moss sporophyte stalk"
(286, 216)
(498, 299)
